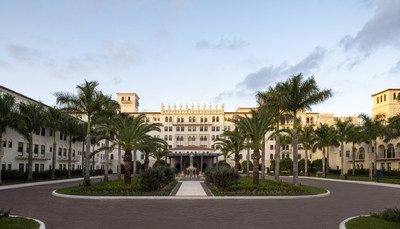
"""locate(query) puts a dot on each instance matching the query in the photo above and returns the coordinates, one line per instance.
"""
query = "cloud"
(222, 44)
(121, 52)
(396, 68)
(268, 75)
(382, 30)
(21, 52)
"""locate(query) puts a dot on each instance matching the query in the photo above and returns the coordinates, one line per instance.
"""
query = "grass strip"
(369, 222)
(18, 223)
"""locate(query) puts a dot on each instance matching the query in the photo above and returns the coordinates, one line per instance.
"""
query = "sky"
(201, 52)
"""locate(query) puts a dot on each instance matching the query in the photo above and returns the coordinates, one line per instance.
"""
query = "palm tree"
(323, 135)
(70, 129)
(86, 103)
(151, 146)
(55, 122)
(371, 129)
(298, 95)
(307, 139)
(354, 137)
(271, 99)
(7, 117)
(31, 118)
(160, 152)
(234, 141)
(131, 133)
(342, 133)
(255, 128)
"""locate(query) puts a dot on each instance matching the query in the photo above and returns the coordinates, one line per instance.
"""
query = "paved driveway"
(345, 200)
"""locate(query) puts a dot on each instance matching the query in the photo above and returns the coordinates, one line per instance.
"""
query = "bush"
(389, 214)
(4, 213)
(244, 166)
(302, 165)
(222, 177)
(153, 179)
(335, 171)
(221, 163)
(316, 165)
(138, 167)
(286, 164)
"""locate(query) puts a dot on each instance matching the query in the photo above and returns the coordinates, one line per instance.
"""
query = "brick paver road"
(345, 200)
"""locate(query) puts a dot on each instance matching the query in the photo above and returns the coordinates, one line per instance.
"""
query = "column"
(181, 163)
(201, 163)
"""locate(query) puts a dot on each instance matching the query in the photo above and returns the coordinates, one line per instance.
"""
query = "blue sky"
(201, 52)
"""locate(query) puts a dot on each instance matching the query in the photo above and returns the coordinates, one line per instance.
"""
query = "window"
(201, 138)
(389, 166)
(59, 152)
(189, 128)
(194, 119)
(42, 150)
(377, 99)
(60, 166)
(217, 136)
(206, 128)
(165, 128)
(43, 132)
(382, 166)
(10, 143)
(122, 99)
(213, 137)
(41, 167)
(213, 119)
(142, 156)
(217, 119)
(65, 152)
(217, 128)
(27, 147)
(177, 138)
(201, 128)
(61, 136)
(9, 167)
(271, 147)
(381, 99)
(205, 119)
(36, 149)
(21, 167)
(182, 128)
(178, 128)
(36, 167)
(299, 156)
(182, 120)
(170, 137)
(271, 156)
(213, 128)
(205, 138)
(165, 137)
(170, 119)
(20, 147)
(129, 98)
(112, 157)
(384, 97)
(394, 96)
(194, 138)
(73, 153)
(51, 149)
(201, 120)
(178, 119)
(170, 128)
(51, 132)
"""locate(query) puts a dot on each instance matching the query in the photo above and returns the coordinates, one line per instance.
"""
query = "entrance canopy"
(190, 150)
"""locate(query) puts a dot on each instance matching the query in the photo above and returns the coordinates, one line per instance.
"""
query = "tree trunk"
(237, 161)
(127, 165)
(53, 161)
(224, 164)
(256, 162)
(83, 162)
(86, 178)
(134, 163)
(327, 167)
(248, 162)
(370, 161)
(306, 164)
(106, 166)
(1, 156)
(277, 156)
(263, 160)
(323, 162)
(146, 162)
(342, 159)
(374, 155)
(354, 160)
(295, 159)
(30, 158)
(119, 162)
(69, 157)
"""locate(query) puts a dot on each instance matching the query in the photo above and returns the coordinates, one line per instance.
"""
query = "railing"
(381, 158)
(35, 156)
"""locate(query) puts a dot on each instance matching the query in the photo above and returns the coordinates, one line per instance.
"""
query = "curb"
(12, 186)
(42, 225)
(54, 193)
(342, 224)
(355, 182)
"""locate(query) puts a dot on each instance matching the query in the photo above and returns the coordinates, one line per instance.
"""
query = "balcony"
(382, 158)
(36, 156)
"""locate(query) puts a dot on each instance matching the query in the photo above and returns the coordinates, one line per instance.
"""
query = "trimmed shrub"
(244, 166)
(302, 165)
(316, 165)
(286, 164)
(153, 179)
(222, 177)
(389, 214)
(335, 171)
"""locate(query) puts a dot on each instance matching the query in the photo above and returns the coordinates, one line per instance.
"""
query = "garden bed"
(116, 188)
(245, 187)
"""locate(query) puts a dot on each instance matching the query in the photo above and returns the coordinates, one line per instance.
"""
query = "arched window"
(201, 119)
(178, 119)
(190, 138)
(129, 98)
(177, 138)
(190, 119)
(170, 119)
(194, 138)
(217, 119)
(213, 137)
(213, 118)
(170, 137)
(205, 119)
(122, 99)
(201, 138)
(165, 128)
(194, 119)
(271, 156)
(165, 137)
(205, 138)
(166, 119)
(181, 138)
(182, 119)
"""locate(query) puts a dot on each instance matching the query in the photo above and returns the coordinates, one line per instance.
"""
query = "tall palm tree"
(342, 133)
(332, 142)
(131, 133)
(307, 139)
(234, 141)
(255, 128)
(354, 137)
(55, 122)
(271, 99)
(86, 103)
(299, 95)
(31, 118)
(70, 129)
(372, 128)
(7, 117)
(323, 135)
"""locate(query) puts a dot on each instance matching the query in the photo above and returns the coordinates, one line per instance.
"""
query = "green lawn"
(115, 188)
(18, 223)
(369, 222)
(392, 180)
(245, 187)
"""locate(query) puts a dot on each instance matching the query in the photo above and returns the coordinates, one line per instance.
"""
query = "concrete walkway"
(12, 186)
(191, 188)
